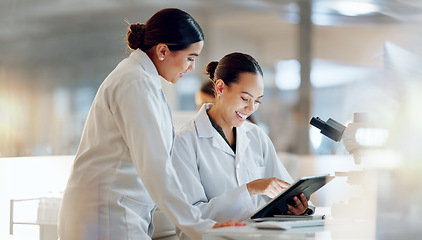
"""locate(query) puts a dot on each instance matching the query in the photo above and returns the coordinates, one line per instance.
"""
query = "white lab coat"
(123, 163)
(214, 178)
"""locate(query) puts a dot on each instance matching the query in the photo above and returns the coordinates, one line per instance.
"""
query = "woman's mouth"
(241, 116)
(181, 74)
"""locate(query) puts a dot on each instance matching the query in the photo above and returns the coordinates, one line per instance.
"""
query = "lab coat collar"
(205, 129)
(203, 124)
(147, 64)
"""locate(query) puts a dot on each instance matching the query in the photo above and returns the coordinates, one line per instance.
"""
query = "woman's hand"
(301, 205)
(267, 186)
(229, 223)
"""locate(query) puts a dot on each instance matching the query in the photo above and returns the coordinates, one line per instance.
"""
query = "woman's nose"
(192, 66)
(251, 106)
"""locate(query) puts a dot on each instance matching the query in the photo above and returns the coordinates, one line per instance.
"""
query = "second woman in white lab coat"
(229, 167)
(123, 167)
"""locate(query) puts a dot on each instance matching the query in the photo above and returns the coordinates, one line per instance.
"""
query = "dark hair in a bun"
(170, 26)
(210, 70)
(231, 66)
(135, 35)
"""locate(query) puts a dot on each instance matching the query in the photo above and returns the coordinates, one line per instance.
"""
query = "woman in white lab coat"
(123, 167)
(228, 167)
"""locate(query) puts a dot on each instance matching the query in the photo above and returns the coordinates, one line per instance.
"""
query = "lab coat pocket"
(138, 216)
(256, 173)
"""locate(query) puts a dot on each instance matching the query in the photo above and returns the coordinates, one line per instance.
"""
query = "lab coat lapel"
(206, 130)
(218, 142)
(242, 141)
(171, 117)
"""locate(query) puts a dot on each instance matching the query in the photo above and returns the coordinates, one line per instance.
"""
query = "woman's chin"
(238, 123)
(172, 81)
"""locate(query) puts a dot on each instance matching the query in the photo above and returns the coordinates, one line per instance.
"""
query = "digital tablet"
(278, 205)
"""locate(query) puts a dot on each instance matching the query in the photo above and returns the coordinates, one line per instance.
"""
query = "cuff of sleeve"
(310, 210)
(250, 204)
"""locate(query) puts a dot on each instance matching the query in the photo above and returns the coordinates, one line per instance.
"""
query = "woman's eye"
(191, 59)
(245, 99)
(258, 102)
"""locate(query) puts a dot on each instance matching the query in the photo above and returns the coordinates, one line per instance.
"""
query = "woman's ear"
(219, 86)
(161, 51)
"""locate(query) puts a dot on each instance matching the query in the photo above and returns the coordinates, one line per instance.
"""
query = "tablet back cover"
(278, 206)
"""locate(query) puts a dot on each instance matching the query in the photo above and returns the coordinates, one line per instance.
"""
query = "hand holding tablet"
(278, 205)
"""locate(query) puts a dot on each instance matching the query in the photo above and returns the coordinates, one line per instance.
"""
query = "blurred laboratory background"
(325, 58)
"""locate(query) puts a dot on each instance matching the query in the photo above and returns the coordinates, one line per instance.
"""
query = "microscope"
(360, 138)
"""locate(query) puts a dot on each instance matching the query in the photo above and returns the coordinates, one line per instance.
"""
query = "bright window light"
(354, 8)
(327, 74)
(287, 75)
(188, 85)
(323, 74)
(316, 137)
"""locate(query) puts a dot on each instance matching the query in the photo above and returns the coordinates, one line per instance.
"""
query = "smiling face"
(171, 65)
(236, 102)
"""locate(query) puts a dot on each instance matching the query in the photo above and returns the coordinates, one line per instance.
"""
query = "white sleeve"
(235, 204)
(138, 113)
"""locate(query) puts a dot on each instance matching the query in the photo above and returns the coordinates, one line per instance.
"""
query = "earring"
(161, 58)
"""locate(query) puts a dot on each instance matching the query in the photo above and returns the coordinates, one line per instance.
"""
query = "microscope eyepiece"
(317, 122)
(331, 128)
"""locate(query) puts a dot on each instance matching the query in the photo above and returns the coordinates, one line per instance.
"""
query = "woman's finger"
(304, 200)
(298, 202)
(292, 210)
(271, 193)
(277, 189)
(284, 184)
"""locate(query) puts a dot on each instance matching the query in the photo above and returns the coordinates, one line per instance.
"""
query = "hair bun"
(211, 69)
(135, 35)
